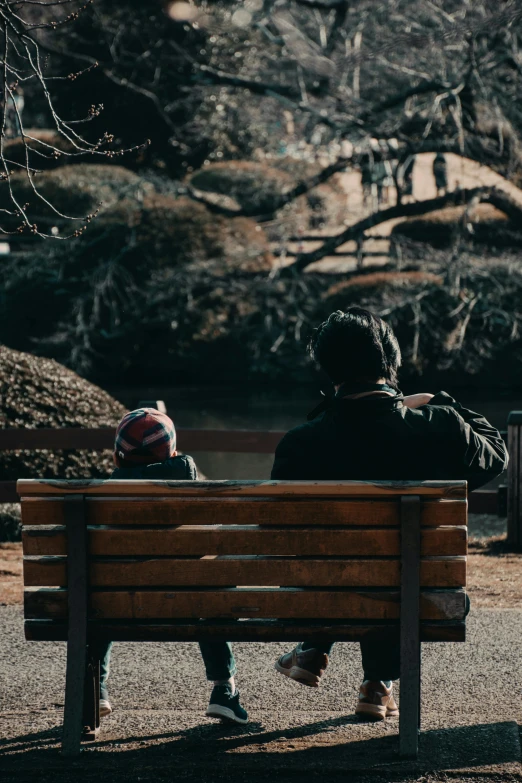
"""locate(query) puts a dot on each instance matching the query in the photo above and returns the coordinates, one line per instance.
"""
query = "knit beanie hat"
(144, 436)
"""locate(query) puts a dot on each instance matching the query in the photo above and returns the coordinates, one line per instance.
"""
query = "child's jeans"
(217, 657)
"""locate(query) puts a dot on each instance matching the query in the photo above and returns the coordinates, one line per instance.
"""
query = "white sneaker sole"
(374, 712)
(223, 713)
(105, 708)
(302, 676)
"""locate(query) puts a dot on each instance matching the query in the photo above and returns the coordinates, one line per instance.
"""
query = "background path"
(462, 172)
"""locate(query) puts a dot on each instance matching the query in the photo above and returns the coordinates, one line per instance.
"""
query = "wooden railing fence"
(504, 500)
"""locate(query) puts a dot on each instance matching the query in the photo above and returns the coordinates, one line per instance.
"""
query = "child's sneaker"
(225, 705)
(376, 701)
(105, 705)
(105, 708)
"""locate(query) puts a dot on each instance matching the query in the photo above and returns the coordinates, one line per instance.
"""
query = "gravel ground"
(471, 711)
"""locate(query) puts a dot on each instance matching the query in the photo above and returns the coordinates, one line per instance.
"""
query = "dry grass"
(11, 589)
(494, 575)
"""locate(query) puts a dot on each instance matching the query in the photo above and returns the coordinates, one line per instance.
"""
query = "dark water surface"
(263, 409)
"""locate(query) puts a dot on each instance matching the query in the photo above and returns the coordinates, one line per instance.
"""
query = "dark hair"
(356, 346)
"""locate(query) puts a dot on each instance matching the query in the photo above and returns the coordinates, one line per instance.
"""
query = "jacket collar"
(371, 402)
(349, 389)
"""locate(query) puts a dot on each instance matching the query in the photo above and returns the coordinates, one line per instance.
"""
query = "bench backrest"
(175, 552)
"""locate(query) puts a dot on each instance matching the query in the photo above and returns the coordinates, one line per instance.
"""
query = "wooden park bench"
(184, 561)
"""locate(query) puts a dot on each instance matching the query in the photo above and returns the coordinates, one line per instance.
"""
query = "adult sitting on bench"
(369, 431)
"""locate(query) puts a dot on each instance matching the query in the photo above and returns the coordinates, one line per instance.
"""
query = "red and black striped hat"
(144, 436)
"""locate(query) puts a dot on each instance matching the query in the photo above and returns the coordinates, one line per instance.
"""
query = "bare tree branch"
(20, 63)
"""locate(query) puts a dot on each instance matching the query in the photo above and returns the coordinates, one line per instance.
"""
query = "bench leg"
(409, 721)
(77, 621)
(91, 701)
(74, 698)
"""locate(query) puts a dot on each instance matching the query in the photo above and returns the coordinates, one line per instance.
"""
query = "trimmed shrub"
(75, 190)
(256, 187)
(10, 522)
(40, 142)
(341, 295)
(486, 225)
(164, 231)
(38, 392)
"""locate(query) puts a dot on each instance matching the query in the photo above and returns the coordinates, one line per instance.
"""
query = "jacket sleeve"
(479, 447)
(287, 465)
(191, 468)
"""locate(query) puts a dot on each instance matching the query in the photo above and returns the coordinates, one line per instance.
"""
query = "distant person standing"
(387, 174)
(407, 178)
(440, 173)
(378, 174)
(366, 179)
(378, 178)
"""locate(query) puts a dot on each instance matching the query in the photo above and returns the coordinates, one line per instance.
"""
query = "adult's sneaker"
(304, 666)
(225, 705)
(376, 701)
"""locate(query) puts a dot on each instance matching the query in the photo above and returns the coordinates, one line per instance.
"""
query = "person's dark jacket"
(180, 468)
(378, 438)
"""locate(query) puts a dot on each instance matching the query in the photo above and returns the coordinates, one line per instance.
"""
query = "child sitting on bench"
(145, 448)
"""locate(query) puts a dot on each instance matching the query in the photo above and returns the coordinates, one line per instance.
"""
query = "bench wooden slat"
(247, 540)
(246, 571)
(231, 511)
(244, 631)
(288, 602)
(453, 490)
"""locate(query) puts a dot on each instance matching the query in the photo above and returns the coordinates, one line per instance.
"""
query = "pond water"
(267, 409)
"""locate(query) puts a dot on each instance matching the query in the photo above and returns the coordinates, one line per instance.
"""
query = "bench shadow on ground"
(250, 746)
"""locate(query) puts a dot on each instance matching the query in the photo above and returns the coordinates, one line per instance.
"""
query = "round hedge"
(75, 191)
(167, 231)
(381, 284)
(38, 392)
(40, 155)
(255, 187)
(484, 224)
